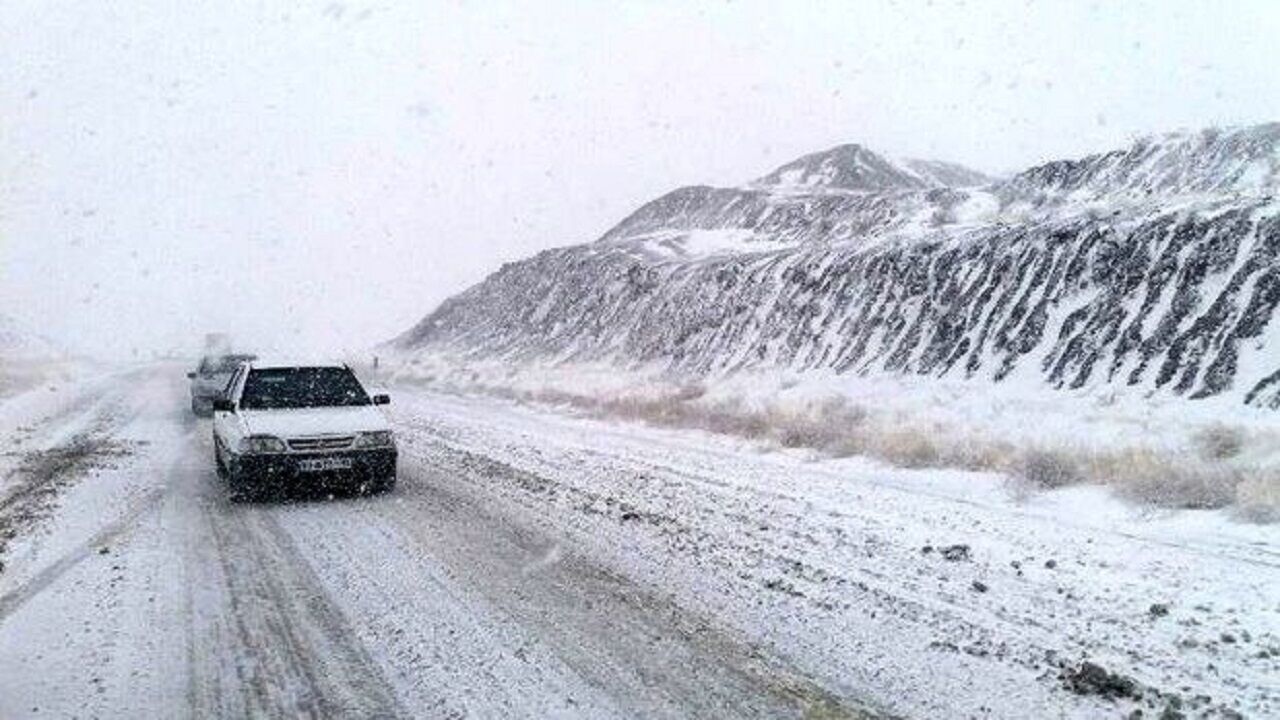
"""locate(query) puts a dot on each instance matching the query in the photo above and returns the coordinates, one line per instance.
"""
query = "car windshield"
(303, 387)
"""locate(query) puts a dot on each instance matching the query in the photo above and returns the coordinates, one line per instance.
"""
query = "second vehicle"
(209, 380)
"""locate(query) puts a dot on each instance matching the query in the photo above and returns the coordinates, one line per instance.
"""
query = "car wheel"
(238, 492)
(385, 485)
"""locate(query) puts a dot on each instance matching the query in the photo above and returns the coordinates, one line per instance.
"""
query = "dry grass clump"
(690, 391)
(1258, 497)
(1207, 474)
(980, 454)
(831, 425)
(552, 396)
(1049, 469)
(907, 447)
(1219, 442)
(730, 418)
(1167, 479)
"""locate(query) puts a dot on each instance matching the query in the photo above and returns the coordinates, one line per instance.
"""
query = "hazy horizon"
(318, 178)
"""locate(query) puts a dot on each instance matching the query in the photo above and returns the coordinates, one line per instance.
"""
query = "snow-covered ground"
(840, 567)
(133, 588)
(534, 563)
(1156, 450)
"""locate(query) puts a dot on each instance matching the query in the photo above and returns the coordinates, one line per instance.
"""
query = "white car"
(301, 426)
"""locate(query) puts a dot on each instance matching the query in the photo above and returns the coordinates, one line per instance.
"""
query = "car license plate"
(322, 464)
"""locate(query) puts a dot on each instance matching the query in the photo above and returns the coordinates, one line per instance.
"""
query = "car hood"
(314, 421)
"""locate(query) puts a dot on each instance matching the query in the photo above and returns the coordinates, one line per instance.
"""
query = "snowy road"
(534, 564)
(137, 590)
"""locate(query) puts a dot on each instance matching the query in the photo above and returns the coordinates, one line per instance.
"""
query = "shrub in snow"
(829, 425)
(907, 447)
(1219, 442)
(690, 391)
(1049, 469)
(1170, 480)
(1209, 474)
(1258, 496)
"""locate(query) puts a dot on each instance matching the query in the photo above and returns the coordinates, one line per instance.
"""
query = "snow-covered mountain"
(855, 168)
(26, 358)
(1155, 266)
(17, 342)
(1228, 162)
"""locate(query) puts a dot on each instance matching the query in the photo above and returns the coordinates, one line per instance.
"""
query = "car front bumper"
(284, 470)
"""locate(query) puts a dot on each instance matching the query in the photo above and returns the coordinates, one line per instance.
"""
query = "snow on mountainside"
(26, 358)
(1155, 267)
(1212, 161)
(855, 168)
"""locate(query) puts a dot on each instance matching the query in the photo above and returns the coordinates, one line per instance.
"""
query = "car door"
(227, 425)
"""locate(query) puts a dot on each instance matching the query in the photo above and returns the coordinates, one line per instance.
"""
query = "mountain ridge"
(1156, 266)
(854, 167)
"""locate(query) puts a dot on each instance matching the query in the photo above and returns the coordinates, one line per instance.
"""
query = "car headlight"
(376, 439)
(261, 444)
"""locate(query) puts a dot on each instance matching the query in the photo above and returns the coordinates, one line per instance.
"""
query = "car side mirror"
(382, 399)
(223, 405)
(191, 376)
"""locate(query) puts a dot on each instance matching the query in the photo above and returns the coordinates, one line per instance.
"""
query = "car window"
(230, 387)
(285, 388)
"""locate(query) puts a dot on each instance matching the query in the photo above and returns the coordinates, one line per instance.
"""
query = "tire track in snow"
(295, 653)
(646, 653)
(115, 531)
(860, 566)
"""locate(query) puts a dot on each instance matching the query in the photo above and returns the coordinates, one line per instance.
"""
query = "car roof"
(276, 363)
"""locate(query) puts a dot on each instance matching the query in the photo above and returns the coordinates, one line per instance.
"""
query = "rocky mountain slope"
(1156, 266)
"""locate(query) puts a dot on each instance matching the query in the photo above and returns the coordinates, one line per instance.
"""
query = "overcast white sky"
(321, 174)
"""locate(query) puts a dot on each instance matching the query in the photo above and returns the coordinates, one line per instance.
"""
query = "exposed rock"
(1093, 679)
(1155, 266)
(955, 553)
